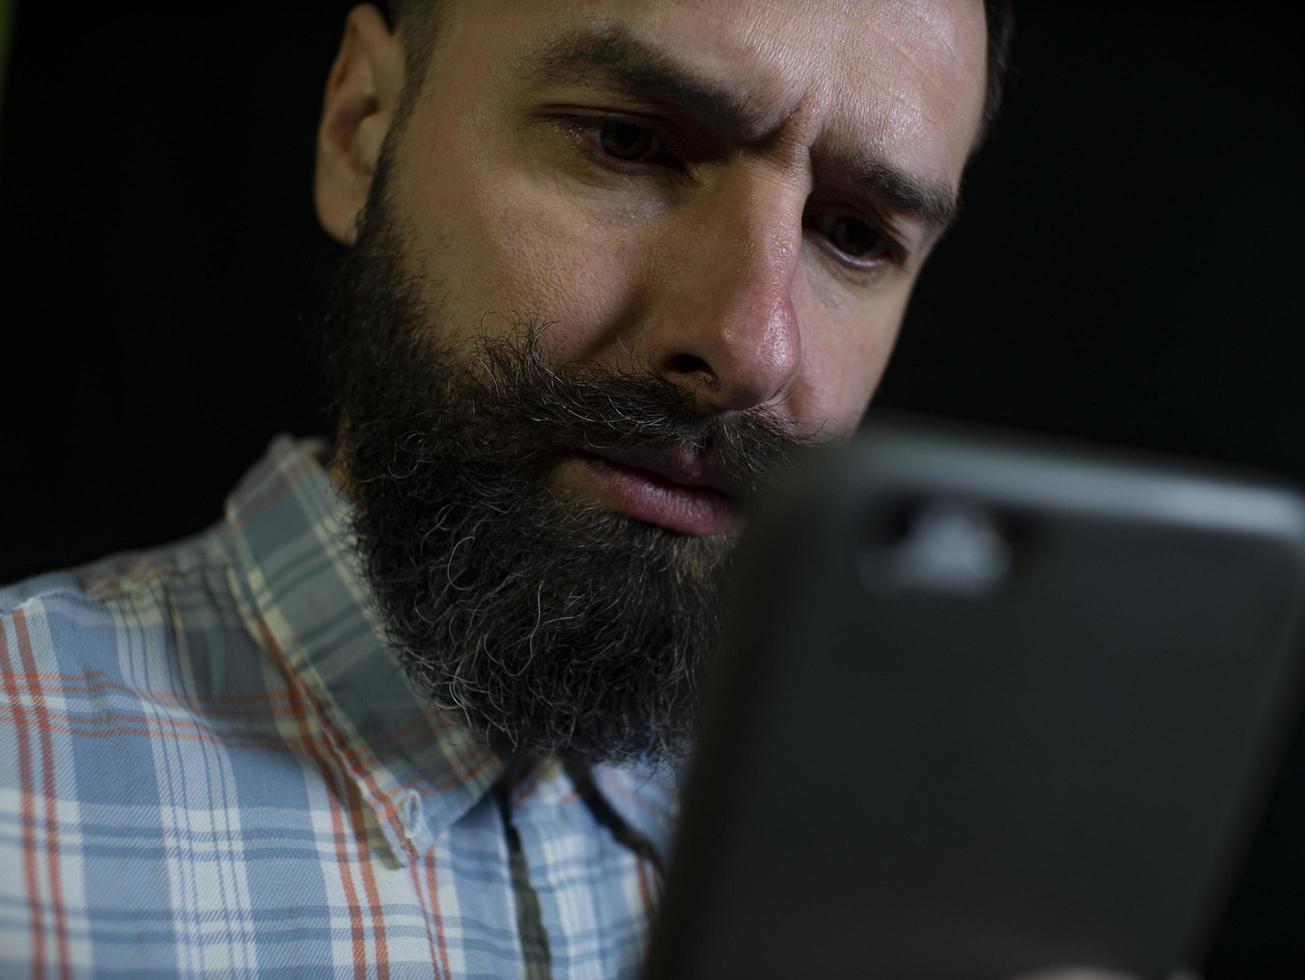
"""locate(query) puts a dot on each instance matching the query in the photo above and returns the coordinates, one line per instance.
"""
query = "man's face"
(753, 266)
(728, 202)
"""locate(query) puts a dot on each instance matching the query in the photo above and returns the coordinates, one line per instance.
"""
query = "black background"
(1128, 268)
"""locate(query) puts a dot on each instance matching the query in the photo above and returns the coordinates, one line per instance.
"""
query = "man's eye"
(857, 239)
(624, 145)
(629, 142)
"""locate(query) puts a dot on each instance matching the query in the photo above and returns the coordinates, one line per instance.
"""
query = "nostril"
(688, 364)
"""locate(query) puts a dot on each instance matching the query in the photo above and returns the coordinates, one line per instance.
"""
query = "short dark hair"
(418, 25)
(999, 15)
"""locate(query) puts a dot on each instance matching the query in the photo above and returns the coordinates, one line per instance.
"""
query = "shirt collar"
(411, 764)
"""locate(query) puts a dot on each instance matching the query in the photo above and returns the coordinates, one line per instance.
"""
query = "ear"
(362, 95)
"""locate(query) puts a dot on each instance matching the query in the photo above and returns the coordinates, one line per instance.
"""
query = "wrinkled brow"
(614, 56)
(617, 59)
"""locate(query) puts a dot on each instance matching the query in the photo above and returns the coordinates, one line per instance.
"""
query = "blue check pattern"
(209, 766)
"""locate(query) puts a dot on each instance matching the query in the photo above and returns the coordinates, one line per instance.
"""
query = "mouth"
(679, 495)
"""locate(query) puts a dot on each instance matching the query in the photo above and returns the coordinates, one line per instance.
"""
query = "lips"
(678, 493)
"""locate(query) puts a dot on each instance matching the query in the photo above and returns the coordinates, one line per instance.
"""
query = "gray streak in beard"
(548, 625)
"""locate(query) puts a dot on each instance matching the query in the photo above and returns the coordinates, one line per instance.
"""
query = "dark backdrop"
(1128, 268)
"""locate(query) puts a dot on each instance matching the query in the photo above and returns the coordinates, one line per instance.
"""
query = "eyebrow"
(615, 56)
(643, 72)
(932, 203)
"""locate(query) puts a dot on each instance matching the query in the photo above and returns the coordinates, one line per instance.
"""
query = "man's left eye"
(856, 238)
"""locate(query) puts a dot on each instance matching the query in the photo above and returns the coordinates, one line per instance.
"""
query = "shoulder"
(129, 608)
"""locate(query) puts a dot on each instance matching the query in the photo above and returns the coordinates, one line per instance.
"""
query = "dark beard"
(550, 625)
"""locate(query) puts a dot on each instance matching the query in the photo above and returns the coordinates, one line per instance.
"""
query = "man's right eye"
(623, 141)
(628, 142)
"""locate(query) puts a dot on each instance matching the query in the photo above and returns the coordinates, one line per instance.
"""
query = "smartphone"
(986, 705)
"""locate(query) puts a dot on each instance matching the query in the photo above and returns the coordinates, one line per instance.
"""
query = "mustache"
(524, 406)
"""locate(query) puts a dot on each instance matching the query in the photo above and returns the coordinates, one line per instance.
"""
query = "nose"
(724, 326)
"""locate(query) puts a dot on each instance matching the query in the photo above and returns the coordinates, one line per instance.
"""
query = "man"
(414, 708)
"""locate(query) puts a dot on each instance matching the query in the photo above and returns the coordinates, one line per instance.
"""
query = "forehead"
(902, 79)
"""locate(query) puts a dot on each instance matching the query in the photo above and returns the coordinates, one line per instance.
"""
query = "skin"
(715, 267)
(716, 270)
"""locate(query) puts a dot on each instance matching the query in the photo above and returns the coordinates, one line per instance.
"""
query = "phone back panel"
(983, 709)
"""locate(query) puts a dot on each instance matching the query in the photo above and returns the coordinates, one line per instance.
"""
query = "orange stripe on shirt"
(334, 782)
(27, 821)
(414, 864)
(51, 801)
(433, 883)
(359, 820)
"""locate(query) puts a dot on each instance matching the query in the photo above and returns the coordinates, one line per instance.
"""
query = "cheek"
(844, 354)
(503, 245)
(844, 388)
(546, 258)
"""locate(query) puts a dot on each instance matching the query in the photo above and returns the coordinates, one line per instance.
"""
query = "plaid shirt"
(209, 765)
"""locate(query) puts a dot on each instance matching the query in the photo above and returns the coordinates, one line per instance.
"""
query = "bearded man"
(416, 705)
